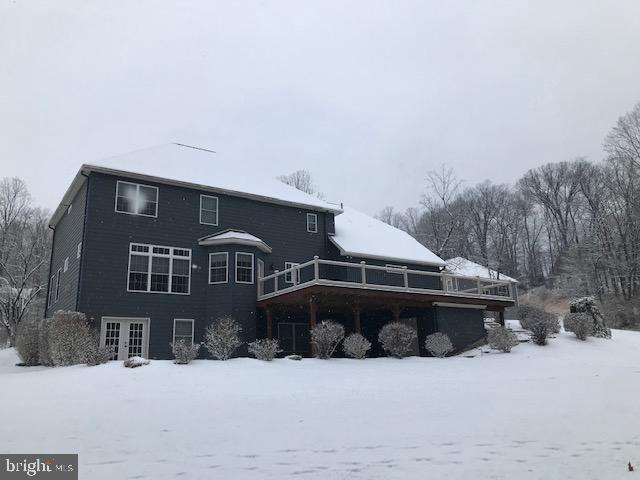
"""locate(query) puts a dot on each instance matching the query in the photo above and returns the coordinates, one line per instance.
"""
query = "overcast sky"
(367, 95)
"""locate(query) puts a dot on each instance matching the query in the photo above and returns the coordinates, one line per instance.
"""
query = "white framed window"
(218, 267)
(312, 223)
(208, 210)
(183, 330)
(52, 289)
(244, 267)
(69, 208)
(391, 268)
(290, 276)
(57, 292)
(79, 250)
(136, 199)
(66, 264)
(157, 269)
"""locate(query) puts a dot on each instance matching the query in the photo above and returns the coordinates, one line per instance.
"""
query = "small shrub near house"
(222, 338)
(70, 338)
(266, 349)
(580, 323)
(27, 343)
(183, 352)
(44, 335)
(539, 322)
(397, 339)
(325, 337)
(502, 338)
(98, 354)
(438, 344)
(356, 346)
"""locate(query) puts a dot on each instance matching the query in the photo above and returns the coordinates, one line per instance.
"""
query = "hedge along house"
(153, 245)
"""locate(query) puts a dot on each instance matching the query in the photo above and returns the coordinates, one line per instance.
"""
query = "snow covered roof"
(360, 235)
(467, 268)
(238, 237)
(192, 167)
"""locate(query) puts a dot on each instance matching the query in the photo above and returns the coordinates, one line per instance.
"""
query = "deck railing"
(376, 277)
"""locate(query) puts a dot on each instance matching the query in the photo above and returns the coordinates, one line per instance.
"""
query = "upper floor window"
(312, 223)
(219, 267)
(69, 208)
(158, 269)
(183, 330)
(293, 274)
(66, 264)
(244, 267)
(208, 210)
(57, 291)
(79, 250)
(136, 199)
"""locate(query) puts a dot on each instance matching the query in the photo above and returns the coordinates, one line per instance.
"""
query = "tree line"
(573, 225)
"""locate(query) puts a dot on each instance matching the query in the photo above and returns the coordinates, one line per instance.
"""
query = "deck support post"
(356, 318)
(501, 317)
(269, 323)
(395, 309)
(313, 317)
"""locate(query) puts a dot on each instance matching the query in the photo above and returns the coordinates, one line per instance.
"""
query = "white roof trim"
(243, 238)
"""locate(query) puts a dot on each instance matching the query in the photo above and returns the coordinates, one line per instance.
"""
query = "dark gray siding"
(109, 234)
(67, 235)
(464, 326)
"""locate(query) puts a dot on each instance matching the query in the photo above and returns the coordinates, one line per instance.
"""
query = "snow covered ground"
(568, 410)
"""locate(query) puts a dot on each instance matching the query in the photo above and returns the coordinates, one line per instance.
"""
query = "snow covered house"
(153, 245)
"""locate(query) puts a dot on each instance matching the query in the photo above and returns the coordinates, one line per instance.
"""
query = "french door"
(128, 337)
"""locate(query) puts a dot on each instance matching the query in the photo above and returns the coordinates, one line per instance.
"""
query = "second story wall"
(109, 234)
(67, 249)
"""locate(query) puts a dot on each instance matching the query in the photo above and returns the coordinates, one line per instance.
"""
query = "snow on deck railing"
(376, 277)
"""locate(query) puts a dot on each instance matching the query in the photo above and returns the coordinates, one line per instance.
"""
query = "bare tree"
(300, 179)
(24, 255)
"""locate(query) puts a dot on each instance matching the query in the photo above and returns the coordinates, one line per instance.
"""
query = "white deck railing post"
(406, 277)
(316, 267)
(445, 284)
(275, 281)
(479, 290)
(363, 270)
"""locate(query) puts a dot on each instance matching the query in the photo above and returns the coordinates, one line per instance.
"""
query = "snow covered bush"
(97, 354)
(265, 349)
(70, 338)
(397, 339)
(356, 346)
(539, 322)
(135, 362)
(588, 306)
(580, 323)
(27, 343)
(438, 344)
(44, 334)
(183, 352)
(503, 339)
(222, 338)
(326, 336)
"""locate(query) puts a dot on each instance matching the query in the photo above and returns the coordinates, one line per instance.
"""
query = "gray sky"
(367, 95)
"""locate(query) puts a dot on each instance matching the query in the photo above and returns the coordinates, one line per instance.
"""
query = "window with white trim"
(79, 250)
(57, 292)
(66, 264)
(52, 289)
(136, 199)
(244, 267)
(289, 276)
(391, 268)
(69, 208)
(208, 210)
(218, 267)
(183, 330)
(312, 223)
(156, 269)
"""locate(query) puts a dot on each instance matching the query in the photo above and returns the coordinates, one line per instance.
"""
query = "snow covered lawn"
(568, 410)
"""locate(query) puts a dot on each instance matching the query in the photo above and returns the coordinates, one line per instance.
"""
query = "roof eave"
(179, 183)
(69, 195)
(346, 253)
